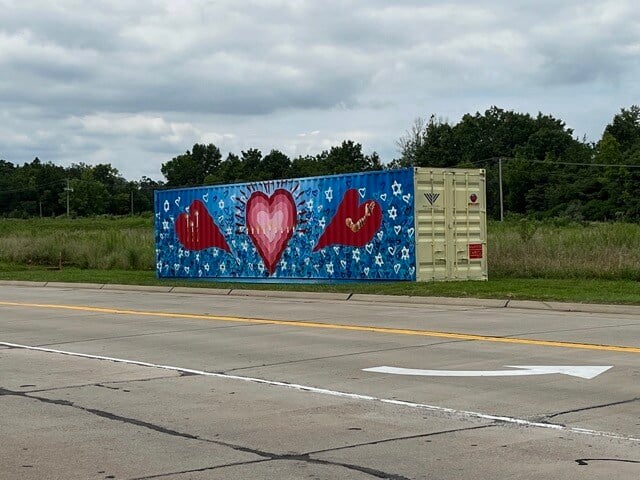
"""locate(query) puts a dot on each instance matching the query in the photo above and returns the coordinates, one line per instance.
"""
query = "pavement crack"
(343, 355)
(100, 413)
(174, 433)
(94, 384)
(546, 418)
(291, 458)
(581, 329)
(118, 337)
(203, 469)
(397, 439)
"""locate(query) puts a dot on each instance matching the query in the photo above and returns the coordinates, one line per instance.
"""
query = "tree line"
(47, 190)
(545, 171)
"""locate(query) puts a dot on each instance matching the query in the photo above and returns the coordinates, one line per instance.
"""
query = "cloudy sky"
(134, 83)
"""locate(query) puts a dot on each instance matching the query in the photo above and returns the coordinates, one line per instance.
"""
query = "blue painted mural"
(343, 227)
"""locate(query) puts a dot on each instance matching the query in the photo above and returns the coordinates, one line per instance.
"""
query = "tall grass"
(517, 249)
(93, 243)
(530, 249)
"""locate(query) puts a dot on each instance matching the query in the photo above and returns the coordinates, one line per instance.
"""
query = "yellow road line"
(335, 326)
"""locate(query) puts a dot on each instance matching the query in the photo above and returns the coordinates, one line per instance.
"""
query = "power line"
(585, 164)
(577, 164)
(37, 187)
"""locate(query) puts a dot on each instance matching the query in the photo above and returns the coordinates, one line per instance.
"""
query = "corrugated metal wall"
(451, 225)
(344, 227)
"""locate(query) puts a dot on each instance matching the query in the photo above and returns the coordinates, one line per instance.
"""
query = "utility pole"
(501, 199)
(68, 189)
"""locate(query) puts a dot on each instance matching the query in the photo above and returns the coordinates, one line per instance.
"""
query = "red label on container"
(475, 251)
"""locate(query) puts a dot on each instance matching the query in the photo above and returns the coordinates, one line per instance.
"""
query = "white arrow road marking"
(581, 371)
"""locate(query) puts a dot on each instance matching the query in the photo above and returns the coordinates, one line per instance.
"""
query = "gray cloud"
(135, 83)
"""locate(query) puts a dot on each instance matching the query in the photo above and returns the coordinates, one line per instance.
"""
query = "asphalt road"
(203, 386)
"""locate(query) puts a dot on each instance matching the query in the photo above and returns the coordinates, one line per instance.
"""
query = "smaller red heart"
(196, 229)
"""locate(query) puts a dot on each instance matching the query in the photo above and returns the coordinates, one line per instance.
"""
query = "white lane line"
(353, 396)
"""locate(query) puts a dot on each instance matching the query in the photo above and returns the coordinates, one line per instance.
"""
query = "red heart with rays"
(196, 229)
(353, 224)
(270, 224)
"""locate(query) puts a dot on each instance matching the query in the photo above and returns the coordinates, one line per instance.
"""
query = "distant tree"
(276, 165)
(251, 161)
(411, 144)
(482, 139)
(7, 170)
(230, 170)
(191, 168)
(88, 196)
(348, 158)
(118, 188)
(625, 128)
(428, 143)
(305, 166)
(143, 194)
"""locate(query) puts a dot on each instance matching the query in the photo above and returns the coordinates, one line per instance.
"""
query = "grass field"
(106, 243)
(527, 249)
(527, 260)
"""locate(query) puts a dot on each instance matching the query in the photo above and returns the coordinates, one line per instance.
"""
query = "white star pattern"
(165, 225)
(379, 260)
(245, 245)
(222, 267)
(397, 188)
(206, 267)
(229, 231)
(393, 213)
(330, 268)
(310, 204)
(322, 222)
(328, 194)
(405, 253)
(356, 255)
(283, 265)
(221, 204)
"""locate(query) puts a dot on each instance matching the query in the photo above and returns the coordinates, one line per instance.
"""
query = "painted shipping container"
(408, 224)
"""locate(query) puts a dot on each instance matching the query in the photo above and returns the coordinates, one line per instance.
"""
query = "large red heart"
(353, 225)
(196, 229)
(270, 224)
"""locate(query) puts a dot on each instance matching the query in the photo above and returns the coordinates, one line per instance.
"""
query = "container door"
(450, 224)
(432, 203)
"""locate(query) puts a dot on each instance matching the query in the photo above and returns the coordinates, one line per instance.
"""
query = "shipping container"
(407, 224)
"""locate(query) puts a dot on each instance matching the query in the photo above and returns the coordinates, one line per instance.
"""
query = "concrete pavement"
(226, 386)
(404, 299)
